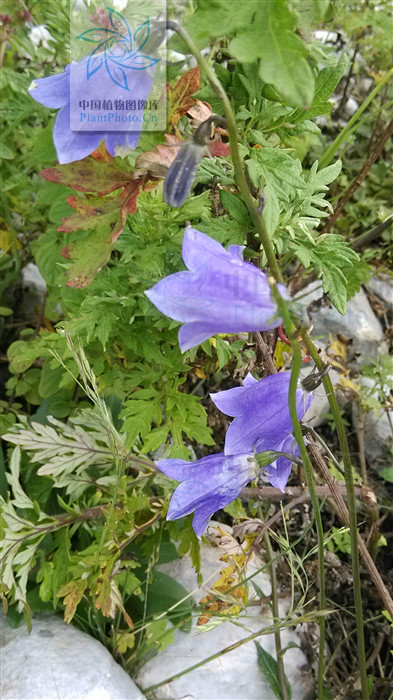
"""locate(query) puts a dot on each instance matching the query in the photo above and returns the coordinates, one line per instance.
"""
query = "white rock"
(33, 279)
(232, 676)
(359, 323)
(58, 661)
(325, 36)
(382, 287)
(351, 106)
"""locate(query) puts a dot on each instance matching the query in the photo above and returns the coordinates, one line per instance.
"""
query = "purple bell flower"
(262, 420)
(221, 293)
(207, 485)
(54, 92)
(262, 423)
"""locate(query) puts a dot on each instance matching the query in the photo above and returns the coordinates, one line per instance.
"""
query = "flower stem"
(276, 616)
(235, 153)
(353, 528)
(308, 472)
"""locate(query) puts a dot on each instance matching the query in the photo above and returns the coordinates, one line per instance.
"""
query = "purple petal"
(197, 247)
(192, 334)
(214, 482)
(73, 145)
(181, 470)
(255, 394)
(249, 380)
(180, 176)
(235, 252)
(278, 472)
(202, 517)
(51, 92)
(121, 139)
(261, 412)
(221, 292)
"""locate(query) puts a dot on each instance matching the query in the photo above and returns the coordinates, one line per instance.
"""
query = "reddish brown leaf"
(90, 212)
(130, 195)
(180, 98)
(219, 148)
(157, 162)
(89, 175)
(102, 154)
(65, 252)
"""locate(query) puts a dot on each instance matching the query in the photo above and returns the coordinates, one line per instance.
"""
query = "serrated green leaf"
(235, 207)
(282, 53)
(326, 83)
(271, 210)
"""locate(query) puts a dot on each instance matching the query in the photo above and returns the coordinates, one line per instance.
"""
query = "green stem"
(276, 616)
(347, 130)
(353, 527)
(308, 472)
(235, 153)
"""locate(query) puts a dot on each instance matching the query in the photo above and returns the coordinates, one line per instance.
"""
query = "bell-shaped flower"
(262, 420)
(54, 92)
(220, 292)
(207, 485)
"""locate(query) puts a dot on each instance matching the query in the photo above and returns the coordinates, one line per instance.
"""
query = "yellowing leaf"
(6, 241)
(72, 593)
(125, 641)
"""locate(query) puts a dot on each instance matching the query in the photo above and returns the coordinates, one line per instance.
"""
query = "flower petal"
(73, 145)
(198, 247)
(255, 394)
(278, 472)
(181, 470)
(202, 517)
(261, 412)
(122, 139)
(192, 334)
(51, 92)
(215, 481)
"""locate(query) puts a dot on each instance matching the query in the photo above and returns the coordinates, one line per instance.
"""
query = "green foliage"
(97, 386)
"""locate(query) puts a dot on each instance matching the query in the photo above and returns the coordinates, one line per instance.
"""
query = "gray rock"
(351, 106)
(58, 661)
(382, 287)
(232, 676)
(32, 278)
(359, 323)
